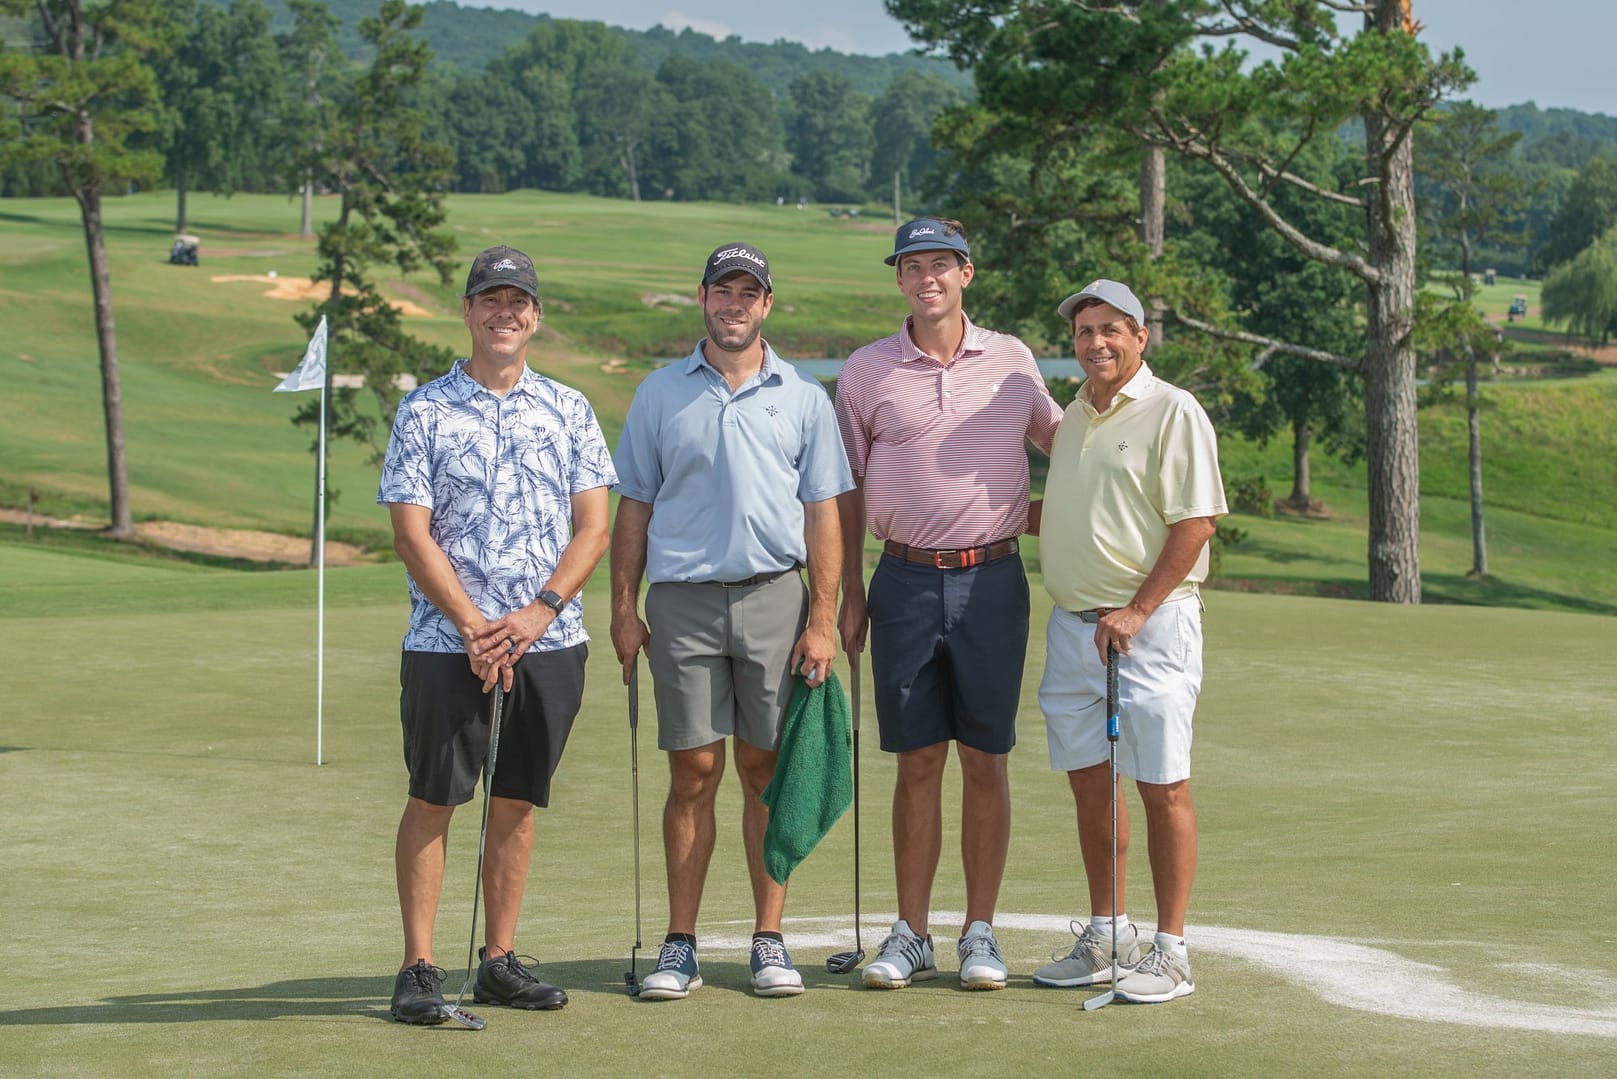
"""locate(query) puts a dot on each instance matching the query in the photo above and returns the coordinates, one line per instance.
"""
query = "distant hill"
(469, 37)
(1564, 137)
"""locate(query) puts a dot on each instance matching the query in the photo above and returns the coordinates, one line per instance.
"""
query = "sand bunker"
(302, 288)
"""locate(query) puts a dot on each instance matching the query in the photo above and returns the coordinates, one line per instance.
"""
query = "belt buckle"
(964, 558)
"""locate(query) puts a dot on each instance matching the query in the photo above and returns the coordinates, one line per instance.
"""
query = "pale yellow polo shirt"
(1118, 480)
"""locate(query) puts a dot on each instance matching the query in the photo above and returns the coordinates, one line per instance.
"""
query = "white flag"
(310, 373)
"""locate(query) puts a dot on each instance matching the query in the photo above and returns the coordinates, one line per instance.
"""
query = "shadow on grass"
(1495, 592)
(302, 998)
(1436, 588)
(367, 997)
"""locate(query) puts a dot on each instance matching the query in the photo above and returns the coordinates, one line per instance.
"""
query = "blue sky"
(1553, 53)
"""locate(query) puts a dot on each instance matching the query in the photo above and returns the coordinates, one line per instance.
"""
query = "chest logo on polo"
(772, 410)
(1121, 446)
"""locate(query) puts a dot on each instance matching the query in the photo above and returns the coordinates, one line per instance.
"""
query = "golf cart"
(184, 251)
(1518, 308)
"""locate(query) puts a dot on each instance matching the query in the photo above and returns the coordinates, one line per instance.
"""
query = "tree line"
(572, 106)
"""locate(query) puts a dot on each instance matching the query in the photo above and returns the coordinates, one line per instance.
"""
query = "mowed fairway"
(1407, 844)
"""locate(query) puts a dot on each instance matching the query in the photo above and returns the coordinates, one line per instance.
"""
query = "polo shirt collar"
(468, 387)
(771, 369)
(972, 344)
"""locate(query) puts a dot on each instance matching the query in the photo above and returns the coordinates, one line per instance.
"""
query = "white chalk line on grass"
(1347, 973)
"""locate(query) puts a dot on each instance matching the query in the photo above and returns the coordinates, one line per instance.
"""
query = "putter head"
(460, 1016)
(843, 962)
(631, 982)
(1095, 1003)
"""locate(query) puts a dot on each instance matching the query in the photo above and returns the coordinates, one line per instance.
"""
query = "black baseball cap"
(728, 258)
(502, 266)
(928, 234)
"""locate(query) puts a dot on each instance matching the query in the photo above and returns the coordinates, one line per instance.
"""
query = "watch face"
(552, 600)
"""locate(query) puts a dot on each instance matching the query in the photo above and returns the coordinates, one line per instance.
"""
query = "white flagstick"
(320, 589)
(310, 374)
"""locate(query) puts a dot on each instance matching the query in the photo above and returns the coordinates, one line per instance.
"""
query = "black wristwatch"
(552, 600)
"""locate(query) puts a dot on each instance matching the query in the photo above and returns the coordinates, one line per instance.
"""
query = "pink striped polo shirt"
(939, 448)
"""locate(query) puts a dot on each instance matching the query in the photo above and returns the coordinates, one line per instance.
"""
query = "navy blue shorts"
(445, 716)
(947, 648)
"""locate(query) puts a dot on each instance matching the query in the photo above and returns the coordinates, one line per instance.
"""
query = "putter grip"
(1112, 710)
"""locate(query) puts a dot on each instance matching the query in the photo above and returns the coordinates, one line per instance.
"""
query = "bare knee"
(755, 766)
(695, 774)
(983, 770)
(919, 769)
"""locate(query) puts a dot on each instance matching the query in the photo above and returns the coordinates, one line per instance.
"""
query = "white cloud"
(678, 20)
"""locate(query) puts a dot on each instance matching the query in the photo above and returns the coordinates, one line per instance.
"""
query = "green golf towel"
(813, 782)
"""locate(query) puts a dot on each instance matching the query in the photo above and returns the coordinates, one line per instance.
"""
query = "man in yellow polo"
(1131, 500)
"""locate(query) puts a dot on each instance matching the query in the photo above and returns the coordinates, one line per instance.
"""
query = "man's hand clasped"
(494, 647)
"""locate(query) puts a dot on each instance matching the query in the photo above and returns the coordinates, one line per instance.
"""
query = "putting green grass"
(1379, 788)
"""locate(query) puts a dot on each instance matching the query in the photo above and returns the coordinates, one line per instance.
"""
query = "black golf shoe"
(504, 980)
(418, 995)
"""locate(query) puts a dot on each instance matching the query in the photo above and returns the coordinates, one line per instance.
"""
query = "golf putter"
(843, 962)
(1111, 738)
(454, 1012)
(631, 977)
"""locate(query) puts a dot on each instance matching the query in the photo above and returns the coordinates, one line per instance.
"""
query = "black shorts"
(445, 716)
(947, 648)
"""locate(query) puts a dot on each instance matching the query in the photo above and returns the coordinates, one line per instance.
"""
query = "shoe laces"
(980, 944)
(1088, 942)
(513, 965)
(770, 952)
(426, 976)
(909, 946)
(675, 954)
(1156, 962)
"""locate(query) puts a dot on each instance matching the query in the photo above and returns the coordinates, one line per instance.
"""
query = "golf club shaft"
(1111, 740)
(633, 975)
(853, 672)
(1111, 744)
(496, 714)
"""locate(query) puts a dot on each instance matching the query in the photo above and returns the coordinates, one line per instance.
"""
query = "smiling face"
(934, 283)
(734, 310)
(1108, 347)
(502, 320)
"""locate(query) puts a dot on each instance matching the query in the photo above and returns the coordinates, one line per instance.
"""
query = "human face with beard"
(734, 309)
(502, 321)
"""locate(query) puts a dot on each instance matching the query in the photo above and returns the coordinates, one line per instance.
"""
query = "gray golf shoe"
(1160, 977)
(1090, 960)
(904, 958)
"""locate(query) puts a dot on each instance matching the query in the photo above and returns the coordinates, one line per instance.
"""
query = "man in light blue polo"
(729, 469)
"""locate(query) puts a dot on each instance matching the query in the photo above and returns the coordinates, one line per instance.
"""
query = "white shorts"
(1157, 685)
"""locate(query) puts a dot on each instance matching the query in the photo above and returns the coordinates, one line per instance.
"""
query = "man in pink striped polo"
(935, 420)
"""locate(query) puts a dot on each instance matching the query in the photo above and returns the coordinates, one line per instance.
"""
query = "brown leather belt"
(956, 559)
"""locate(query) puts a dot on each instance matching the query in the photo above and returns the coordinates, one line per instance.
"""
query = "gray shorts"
(718, 657)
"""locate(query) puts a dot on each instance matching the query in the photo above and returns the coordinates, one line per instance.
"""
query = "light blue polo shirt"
(727, 474)
(499, 475)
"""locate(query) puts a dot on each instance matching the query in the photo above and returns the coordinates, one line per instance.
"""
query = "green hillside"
(209, 444)
(469, 37)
